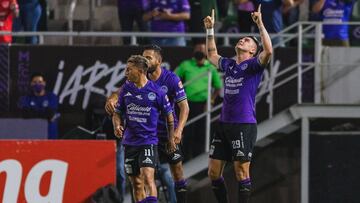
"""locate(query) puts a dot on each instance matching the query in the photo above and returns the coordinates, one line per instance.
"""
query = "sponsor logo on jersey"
(128, 94)
(147, 161)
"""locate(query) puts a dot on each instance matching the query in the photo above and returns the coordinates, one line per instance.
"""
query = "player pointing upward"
(237, 133)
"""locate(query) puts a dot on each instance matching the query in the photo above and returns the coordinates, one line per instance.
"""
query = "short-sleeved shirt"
(336, 11)
(197, 90)
(175, 6)
(241, 82)
(39, 105)
(171, 85)
(141, 108)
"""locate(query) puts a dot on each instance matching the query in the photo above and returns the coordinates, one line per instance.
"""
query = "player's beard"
(152, 68)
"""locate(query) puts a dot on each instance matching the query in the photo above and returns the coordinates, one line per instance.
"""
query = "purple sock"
(151, 199)
(219, 189)
(142, 201)
(180, 184)
(246, 181)
(181, 191)
(218, 181)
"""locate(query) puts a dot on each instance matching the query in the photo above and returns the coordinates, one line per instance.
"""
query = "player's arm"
(118, 128)
(111, 101)
(170, 129)
(265, 55)
(316, 8)
(183, 116)
(211, 50)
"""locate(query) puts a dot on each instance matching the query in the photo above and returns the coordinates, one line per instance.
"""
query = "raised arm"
(265, 55)
(212, 54)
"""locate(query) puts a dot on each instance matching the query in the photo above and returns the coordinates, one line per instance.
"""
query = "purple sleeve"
(225, 63)
(254, 66)
(164, 104)
(185, 6)
(178, 89)
(147, 5)
(53, 102)
(120, 106)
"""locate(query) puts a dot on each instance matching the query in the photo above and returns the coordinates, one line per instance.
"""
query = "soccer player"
(237, 133)
(171, 85)
(140, 104)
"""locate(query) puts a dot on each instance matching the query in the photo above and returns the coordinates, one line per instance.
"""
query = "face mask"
(198, 55)
(37, 88)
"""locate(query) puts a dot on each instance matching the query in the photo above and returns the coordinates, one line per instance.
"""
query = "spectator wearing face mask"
(194, 71)
(41, 104)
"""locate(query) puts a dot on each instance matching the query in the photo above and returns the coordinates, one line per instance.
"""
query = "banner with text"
(54, 171)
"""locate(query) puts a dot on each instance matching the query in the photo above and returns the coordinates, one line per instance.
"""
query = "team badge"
(152, 96)
(164, 89)
(244, 67)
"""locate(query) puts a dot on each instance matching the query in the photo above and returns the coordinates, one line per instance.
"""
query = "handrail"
(135, 35)
(71, 19)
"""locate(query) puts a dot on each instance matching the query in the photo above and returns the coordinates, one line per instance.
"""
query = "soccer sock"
(244, 190)
(181, 190)
(219, 188)
(142, 201)
(151, 199)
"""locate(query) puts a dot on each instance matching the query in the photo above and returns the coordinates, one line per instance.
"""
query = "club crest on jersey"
(164, 89)
(244, 67)
(152, 96)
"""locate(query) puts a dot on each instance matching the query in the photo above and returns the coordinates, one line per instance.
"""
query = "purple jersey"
(174, 6)
(141, 108)
(171, 85)
(240, 85)
(336, 11)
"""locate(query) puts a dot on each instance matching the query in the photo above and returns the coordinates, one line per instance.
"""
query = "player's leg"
(176, 167)
(215, 172)
(219, 154)
(148, 174)
(148, 158)
(138, 188)
(133, 171)
(243, 140)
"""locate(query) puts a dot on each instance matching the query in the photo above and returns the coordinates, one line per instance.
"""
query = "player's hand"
(171, 146)
(165, 15)
(256, 16)
(177, 136)
(209, 21)
(118, 131)
(110, 106)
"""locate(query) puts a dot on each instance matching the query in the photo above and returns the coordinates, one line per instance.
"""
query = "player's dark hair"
(37, 74)
(139, 62)
(258, 45)
(154, 48)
